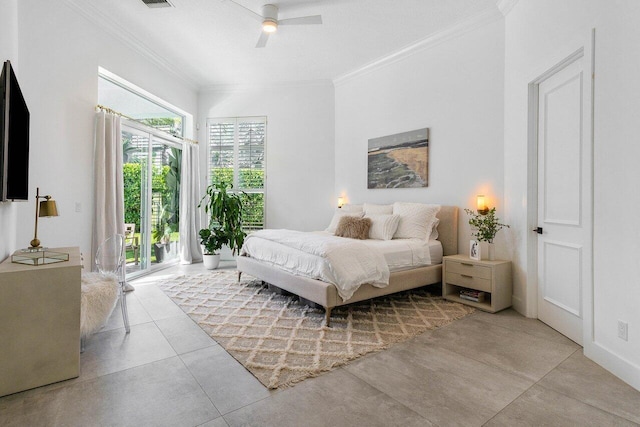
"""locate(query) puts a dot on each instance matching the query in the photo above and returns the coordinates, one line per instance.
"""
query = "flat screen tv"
(14, 138)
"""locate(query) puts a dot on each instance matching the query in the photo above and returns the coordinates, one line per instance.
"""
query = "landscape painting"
(399, 161)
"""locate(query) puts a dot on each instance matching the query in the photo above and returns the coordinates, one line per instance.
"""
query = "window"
(237, 156)
(117, 95)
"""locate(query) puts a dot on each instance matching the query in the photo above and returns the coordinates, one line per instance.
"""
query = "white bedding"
(347, 263)
(403, 254)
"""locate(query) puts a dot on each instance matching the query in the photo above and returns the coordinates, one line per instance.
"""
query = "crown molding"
(252, 87)
(505, 6)
(113, 28)
(481, 19)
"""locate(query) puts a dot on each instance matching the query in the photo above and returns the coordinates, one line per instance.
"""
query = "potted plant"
(224, 210)
(485, 227)
(161, 235)
(212, 241)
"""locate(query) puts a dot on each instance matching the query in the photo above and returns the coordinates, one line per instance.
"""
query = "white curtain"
(108, 214)
(190, 251)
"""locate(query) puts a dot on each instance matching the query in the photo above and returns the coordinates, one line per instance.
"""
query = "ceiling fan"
(270, 21)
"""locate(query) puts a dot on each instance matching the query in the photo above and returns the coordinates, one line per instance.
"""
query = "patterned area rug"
(282, 342)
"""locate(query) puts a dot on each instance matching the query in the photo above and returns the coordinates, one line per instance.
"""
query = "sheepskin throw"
(97, 301)
(353, 228)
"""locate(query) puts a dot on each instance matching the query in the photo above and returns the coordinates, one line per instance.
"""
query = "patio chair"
(131, 241)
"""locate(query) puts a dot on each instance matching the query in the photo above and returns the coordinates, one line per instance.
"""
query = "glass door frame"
(153, 135)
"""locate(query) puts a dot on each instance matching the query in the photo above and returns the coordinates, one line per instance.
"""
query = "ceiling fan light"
(269, 26)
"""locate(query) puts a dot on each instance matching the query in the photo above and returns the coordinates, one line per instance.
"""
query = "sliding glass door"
(135, 164)
(165, 200)
(151, 170)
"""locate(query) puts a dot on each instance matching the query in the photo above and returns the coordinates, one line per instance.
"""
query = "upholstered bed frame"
(326, 294)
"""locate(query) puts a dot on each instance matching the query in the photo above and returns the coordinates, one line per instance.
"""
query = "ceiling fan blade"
(262, 41)
(238, 6)
(303, 20)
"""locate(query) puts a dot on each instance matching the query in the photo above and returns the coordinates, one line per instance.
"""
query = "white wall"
(8, 50)
(300, 147)
(456, 90)
(539, 34)
(60, 52)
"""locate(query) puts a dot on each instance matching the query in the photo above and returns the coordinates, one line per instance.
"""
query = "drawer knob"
(466, 264)
(467, 276)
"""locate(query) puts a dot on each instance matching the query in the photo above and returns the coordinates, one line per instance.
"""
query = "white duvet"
(346, 263)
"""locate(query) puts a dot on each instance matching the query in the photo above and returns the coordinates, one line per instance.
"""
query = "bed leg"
(239, 274)
(327, 313)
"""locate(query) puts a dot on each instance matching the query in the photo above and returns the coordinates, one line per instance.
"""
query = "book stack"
(472, 295)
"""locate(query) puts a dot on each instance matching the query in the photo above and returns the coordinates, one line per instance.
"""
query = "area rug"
(281, 341)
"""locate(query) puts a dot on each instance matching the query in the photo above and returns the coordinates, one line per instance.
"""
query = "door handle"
(538, 230)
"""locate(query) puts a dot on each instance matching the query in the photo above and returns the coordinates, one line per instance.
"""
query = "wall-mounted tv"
(14, 138)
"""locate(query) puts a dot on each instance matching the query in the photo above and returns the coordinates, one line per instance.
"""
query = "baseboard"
(618, 366)
(518, 305)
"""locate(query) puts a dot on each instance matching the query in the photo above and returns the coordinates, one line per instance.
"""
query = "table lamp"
(47, 207)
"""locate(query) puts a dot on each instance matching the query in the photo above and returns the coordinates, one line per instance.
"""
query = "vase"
(492, 251)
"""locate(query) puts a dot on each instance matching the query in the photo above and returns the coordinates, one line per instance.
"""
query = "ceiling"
(212, 42)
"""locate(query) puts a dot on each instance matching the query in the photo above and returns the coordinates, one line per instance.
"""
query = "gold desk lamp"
(47, 207)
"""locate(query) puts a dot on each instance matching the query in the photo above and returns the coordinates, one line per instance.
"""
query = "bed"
(327, 295)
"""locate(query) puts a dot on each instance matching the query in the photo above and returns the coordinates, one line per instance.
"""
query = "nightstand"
(460, 272)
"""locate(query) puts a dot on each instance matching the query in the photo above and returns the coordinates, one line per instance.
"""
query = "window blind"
(237, 156)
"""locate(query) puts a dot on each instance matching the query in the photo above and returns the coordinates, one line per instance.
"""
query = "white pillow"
(351, 208)
(434, 230)
(416, 220)
(383, 226)
(371, 209)
(336, 219)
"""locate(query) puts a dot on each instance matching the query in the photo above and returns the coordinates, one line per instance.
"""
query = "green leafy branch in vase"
(485, 226)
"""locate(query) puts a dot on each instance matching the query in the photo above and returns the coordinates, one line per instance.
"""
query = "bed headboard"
(448, 229)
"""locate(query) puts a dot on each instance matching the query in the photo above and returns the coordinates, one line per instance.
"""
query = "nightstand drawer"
(468, 269)
(468, 281)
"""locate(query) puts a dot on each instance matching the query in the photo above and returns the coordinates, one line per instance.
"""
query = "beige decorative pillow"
(383, 227)
(353, 228)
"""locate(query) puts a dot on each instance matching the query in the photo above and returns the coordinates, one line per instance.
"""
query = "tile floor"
(494, 370)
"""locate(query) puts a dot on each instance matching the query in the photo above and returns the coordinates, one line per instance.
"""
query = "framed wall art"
(399, 161)
(474, 250)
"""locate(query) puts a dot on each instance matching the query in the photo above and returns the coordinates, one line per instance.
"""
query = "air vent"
(157, 3)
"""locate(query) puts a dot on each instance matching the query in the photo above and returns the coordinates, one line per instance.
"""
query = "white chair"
(101, 290)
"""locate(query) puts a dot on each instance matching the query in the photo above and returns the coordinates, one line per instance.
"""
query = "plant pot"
(211, 262)
(159, 250)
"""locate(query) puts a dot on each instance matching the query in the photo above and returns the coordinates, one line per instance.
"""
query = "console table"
(39, 323)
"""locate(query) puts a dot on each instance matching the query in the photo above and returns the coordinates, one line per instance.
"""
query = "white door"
(564, 197)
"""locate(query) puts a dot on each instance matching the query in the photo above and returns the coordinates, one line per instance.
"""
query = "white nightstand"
(491, 277)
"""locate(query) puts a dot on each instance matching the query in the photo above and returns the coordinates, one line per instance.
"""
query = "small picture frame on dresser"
(474, 250)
